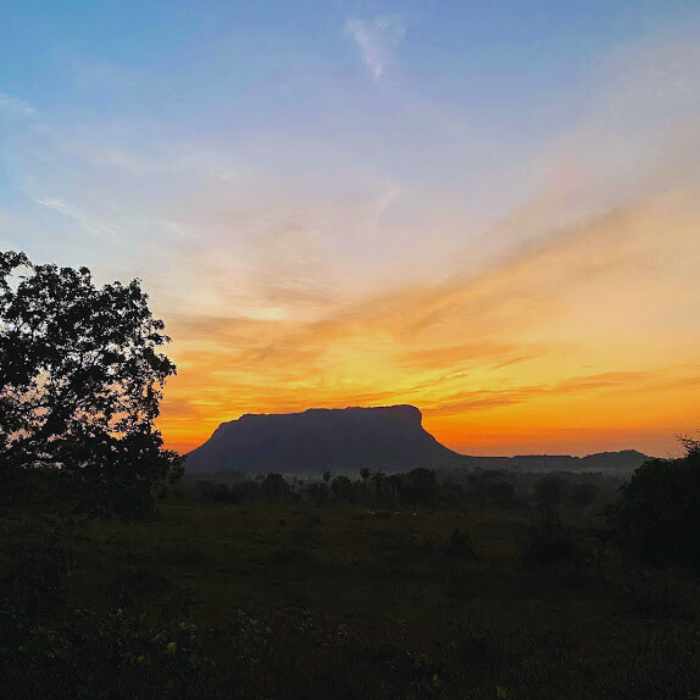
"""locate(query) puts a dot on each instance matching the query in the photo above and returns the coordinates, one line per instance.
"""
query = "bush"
(658, 515)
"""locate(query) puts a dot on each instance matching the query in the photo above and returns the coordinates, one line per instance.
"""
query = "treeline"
(418, 487)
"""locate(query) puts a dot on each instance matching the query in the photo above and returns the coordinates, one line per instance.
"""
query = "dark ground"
(264, 601)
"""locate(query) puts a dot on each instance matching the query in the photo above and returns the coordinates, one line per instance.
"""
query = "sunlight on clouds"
(573, 333)
(352, 257)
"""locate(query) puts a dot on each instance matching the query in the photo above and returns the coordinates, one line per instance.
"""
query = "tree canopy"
(658, 515)
(82, 374)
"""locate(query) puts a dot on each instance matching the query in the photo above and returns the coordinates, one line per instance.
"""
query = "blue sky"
(454, 100)
(300, 163)
(234, 67)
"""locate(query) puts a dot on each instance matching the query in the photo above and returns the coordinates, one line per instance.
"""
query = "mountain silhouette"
(390, 438)
(622, 462)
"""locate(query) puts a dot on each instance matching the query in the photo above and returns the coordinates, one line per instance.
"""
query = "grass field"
(346, 602)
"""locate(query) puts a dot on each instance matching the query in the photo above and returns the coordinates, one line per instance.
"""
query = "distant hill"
(390, 438)
(624, 461)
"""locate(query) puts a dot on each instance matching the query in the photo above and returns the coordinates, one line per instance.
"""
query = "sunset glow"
(348, 206)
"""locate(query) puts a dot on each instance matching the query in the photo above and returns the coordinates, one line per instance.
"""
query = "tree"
(419, 486)
(81, 379)
(275, 488)
(342, 488)
(378, 479)
(658, 515)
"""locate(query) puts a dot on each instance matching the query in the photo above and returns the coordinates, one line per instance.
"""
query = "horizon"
(352, 408)
(492, 214)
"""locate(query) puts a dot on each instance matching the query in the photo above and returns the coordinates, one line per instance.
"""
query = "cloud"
(536, 340)
(88, 222)
(348, 270)
(15, 107)
(474, 352)
(377, 41)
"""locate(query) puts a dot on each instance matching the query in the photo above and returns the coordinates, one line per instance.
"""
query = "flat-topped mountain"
(389, 438)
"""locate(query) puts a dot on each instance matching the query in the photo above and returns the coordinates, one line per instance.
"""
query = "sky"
(488, 210)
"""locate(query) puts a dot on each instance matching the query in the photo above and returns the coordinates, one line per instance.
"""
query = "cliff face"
(390, 438)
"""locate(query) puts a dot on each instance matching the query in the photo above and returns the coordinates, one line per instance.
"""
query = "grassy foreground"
(267, 601)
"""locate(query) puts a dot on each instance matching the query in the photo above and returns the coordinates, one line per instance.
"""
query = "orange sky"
(557, 312)
(504, 232)
(584, 340)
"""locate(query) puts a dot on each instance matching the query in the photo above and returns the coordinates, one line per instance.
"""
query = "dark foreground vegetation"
(283, 597)
(117, 583)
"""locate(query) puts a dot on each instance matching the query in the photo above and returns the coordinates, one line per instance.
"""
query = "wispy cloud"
(15, 107)
(88, 222)
(377, 41)
(349, 270)
(533, 342)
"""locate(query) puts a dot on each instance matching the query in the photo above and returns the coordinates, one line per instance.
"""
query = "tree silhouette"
(275, 488)
(81, 379)
(658, 515)
(419, 486)
(342, 488)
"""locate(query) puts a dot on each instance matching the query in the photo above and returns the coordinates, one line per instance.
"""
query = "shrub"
(658, 515)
